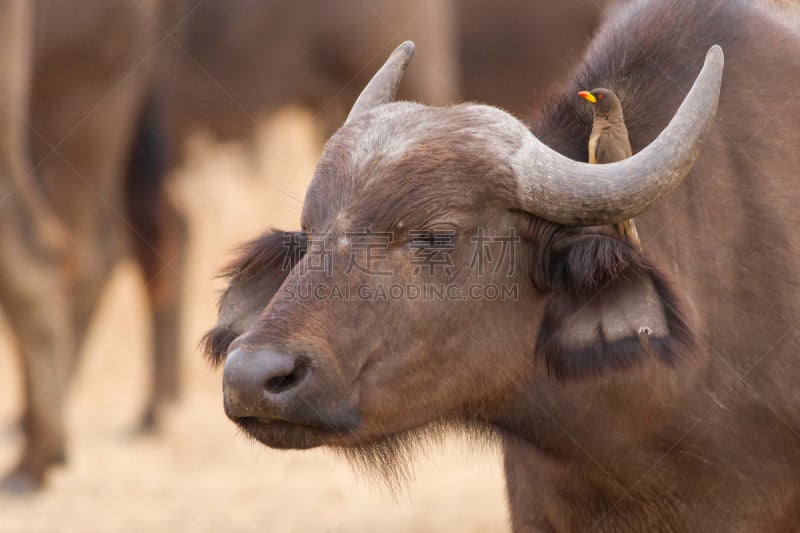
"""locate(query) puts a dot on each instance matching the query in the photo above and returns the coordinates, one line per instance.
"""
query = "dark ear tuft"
(215, 344)
(253, 279)
(592, 261)
(610, 310)
(273, 250)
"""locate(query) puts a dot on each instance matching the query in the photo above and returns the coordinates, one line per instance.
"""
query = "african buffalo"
(632, 391)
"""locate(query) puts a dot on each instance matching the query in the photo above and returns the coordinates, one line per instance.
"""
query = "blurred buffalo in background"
(244, 59)
(511, 51)
(73, 78)
(99, 98)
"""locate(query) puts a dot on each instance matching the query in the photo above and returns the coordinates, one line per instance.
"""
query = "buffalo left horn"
(569, 192)
(383, 85)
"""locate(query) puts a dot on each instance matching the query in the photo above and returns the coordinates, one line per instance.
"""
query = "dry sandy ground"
(199, 475)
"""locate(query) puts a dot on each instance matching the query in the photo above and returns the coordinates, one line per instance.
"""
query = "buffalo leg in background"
(85, 103)
(159, 239)
(84, 100)
(33, 291)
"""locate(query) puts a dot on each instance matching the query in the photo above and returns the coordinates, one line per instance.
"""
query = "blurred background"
(148, 139)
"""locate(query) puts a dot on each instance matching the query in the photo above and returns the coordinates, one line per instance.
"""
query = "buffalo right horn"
(569, 192)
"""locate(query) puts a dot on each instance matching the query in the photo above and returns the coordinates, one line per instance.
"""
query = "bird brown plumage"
(608, 142)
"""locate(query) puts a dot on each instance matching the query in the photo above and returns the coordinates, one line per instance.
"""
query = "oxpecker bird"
(608, 142)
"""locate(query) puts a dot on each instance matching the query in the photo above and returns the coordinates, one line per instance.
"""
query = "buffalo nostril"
(254, 383)
(279, 384)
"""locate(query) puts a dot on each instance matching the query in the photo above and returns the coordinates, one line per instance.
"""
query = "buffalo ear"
(609, 309)
(253, 279)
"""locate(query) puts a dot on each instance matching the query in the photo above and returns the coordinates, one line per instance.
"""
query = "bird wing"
(612, 146)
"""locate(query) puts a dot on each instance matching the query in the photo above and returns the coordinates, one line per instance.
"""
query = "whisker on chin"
(390, 461)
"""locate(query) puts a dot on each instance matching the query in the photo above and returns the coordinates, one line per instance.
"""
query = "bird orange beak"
(588, 96)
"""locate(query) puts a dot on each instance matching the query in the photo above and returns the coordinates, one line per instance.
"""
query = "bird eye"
(599, 96)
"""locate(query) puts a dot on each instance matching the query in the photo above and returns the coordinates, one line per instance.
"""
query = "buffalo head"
(448, 260)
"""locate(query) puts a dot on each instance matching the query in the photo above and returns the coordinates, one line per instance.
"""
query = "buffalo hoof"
(20, 483)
